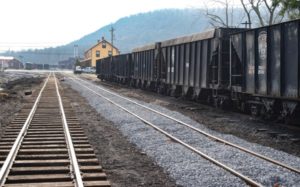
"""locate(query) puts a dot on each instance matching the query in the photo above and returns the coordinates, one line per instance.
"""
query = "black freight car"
(198, 66)
(143, 59)
(104, 69)
(123, 68)
(116, 68)
(39, 66)
(46, 66)
(257, 70)
(265, 70)
(28, 66)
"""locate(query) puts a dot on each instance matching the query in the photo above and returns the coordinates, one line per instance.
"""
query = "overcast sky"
(44, 23)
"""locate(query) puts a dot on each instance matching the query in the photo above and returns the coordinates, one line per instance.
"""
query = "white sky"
(44, 23)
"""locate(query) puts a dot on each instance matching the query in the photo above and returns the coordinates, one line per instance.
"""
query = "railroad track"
(45, 145)
(91, 87)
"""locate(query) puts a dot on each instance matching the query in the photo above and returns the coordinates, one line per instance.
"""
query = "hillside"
(149, 27)
(131, 32)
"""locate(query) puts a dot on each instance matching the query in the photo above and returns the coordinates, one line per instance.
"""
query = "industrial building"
(8, 62)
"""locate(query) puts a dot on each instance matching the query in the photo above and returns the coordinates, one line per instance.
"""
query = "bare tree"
(265, 11)
(217, 20)
(247, 12)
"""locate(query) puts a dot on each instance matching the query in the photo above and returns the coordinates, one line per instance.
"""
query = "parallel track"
(204, 133)
(45, 145)
(245, 178)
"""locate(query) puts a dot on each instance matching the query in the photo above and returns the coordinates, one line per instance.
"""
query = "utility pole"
(112, 30)
(246, 23)
(75, 51)
(75, 55)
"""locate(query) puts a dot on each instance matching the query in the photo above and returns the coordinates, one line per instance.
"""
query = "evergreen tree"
(289, 7)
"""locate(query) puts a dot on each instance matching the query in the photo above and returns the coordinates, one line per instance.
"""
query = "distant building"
(101, 50)
(7, 62)
(30, 66)
(67, 64)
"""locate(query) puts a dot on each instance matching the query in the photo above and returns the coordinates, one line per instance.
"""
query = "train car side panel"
(291, 61)
(261, 71)
(275, 62)
(197, 65)
(186, 64)
(166, 57)
(181, 64)
(192, 65)
(250, 62)
(176, 73)
(204, 62)
(172, 68)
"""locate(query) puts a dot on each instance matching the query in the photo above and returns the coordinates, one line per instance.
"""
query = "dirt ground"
(270, 134)
(123, 163)
(12, 98)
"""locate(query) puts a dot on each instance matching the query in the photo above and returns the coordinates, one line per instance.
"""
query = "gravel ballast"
(186, 167)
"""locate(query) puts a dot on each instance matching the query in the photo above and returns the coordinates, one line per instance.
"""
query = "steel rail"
(234, 172)
(74, 161)
(205, 133)
(14, 150)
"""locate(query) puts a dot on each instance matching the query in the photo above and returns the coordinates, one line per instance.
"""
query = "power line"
(35, 53)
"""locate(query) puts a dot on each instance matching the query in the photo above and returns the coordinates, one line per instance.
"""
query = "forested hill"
(149, 27)
(131, 32)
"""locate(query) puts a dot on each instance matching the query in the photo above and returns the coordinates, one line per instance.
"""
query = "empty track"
(45, 145)
(90, 87)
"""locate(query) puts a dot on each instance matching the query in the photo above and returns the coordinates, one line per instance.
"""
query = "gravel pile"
(16, 77)
(12, 98)
(186, 167)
